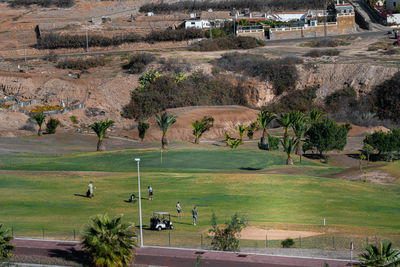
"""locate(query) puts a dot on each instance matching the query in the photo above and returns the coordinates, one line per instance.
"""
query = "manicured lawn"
(42, 195)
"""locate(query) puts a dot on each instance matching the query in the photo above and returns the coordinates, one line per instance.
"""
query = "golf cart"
(161, 220)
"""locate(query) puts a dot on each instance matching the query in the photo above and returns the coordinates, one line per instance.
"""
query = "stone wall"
(259, 34)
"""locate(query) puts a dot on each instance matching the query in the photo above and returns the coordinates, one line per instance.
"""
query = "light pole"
(140, 204)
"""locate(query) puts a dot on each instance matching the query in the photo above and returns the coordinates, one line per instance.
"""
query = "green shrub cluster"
(81, 64)
(174, 35)
(387, 99)
(42, 3)
(341, 99)
(301, 100)
(195, 90)
(227, 43)
(281, 72)
(52, 125)
(138, 62)
(384, 143)
(254, 5)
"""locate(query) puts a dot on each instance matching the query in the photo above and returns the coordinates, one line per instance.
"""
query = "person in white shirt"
(178, 209)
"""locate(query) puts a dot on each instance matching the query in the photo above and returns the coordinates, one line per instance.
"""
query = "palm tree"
(253, 127)
(5, 244)
(200, 127)
(315, 115)
(165, 121)
(109, 242)
(241, 130)
(289, 145)
(39, 118)
(383, 255)
(100, 128)
(285, 120)
(300, 129)
(264, 119)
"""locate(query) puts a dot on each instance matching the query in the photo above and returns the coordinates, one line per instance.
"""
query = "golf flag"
(351, 246)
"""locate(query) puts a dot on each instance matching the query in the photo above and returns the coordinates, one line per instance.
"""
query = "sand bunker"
(254, 233)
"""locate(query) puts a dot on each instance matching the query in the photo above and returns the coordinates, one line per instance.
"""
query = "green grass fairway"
(38, 192)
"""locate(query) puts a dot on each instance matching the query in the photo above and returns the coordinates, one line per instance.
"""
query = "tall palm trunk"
(300, 149)
(264, 140)
(164, 141)
(197, 140)
(100, 145)
(286, 132)
(40, 132)
(289, 160)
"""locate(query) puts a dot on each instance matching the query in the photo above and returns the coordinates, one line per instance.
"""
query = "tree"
(5, 244)
(264, 119)
(227, 138)
(383, 255)
(100, 128)
(52, 125)
(384, 143)
(200, 127)
(289, 145)
(368, 149)
(39, 118)
(165, 121)
(300, 129)
(109, 242)
(235, 143)
(326, 135)
(251, 129)
(241, 131)
(285, 120)
(315, 115)
(143, 127)
(226, 238)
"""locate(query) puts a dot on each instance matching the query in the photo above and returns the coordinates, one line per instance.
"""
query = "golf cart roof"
(161, 213)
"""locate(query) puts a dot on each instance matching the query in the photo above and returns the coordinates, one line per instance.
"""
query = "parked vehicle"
(161, 220)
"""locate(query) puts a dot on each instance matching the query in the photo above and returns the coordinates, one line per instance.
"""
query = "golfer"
(150, 192)
(178, 209)
(194, 213)
(90, 190)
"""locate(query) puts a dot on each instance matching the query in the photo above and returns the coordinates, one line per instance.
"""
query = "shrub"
(81, 64)
(254, 5)
(42, 3)
(74, 119)
(227, 238)
(320, 53)
(174, 35)
(198, 89)
(273, 142)
(138, 62)
(52, 57)
(227, 43)
(216, 33)
(326, 43)
(384, 143)
(341, 99)
(387, 95)
(301, 100)
(281, 72)
(287, 243)
(52, 125)
(143, 127)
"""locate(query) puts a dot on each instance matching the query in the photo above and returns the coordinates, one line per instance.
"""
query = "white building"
(206, 18)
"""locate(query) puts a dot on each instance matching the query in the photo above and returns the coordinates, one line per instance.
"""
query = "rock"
(94, 112)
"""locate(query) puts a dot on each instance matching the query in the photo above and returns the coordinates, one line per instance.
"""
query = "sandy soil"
(254, 233)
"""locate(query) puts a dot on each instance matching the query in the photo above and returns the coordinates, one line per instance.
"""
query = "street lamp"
(140, 204)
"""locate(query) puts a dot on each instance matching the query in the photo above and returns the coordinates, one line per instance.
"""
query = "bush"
(341, 99)
(384, 143)
(254, 5)
(174, 35)
(175, 65)
(42, 3)
(387, 99)
(143, 127)
(281, 72)
(74, 119)
(273, 142)
(301, 100)
(81, 64)
(287, 243)
(227, 43)
(52, 125)
(326, 43)
(320, 53)
(138, 62)
(216, 33)
(198, 89)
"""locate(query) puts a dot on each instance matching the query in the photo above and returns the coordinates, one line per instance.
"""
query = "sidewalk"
(173, 257)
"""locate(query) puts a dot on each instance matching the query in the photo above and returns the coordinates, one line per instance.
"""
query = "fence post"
(201, 240)
(300, 241)
(74, 235)
(169, 239)
(43, 232)
(333, 242)
(266, 241)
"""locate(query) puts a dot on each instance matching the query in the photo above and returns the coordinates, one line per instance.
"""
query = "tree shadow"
(71, 254)
(80, 195)
(313, 156)
(353, 155)
(250, 169)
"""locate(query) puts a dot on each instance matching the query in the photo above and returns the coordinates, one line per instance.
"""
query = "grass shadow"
(250, 169)
(80, 195)
(71, 254)
(127, 201)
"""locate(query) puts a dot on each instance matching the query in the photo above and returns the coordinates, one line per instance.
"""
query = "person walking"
(150, 192)
(90, 190)
(194, 213)
(178, 209)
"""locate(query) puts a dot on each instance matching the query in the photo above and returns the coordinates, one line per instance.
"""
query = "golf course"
(44, 195)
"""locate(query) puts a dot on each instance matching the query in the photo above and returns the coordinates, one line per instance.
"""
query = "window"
(193, 23)
(394, 4)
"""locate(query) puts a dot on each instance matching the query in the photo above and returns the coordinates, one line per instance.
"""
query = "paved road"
(172, 257)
